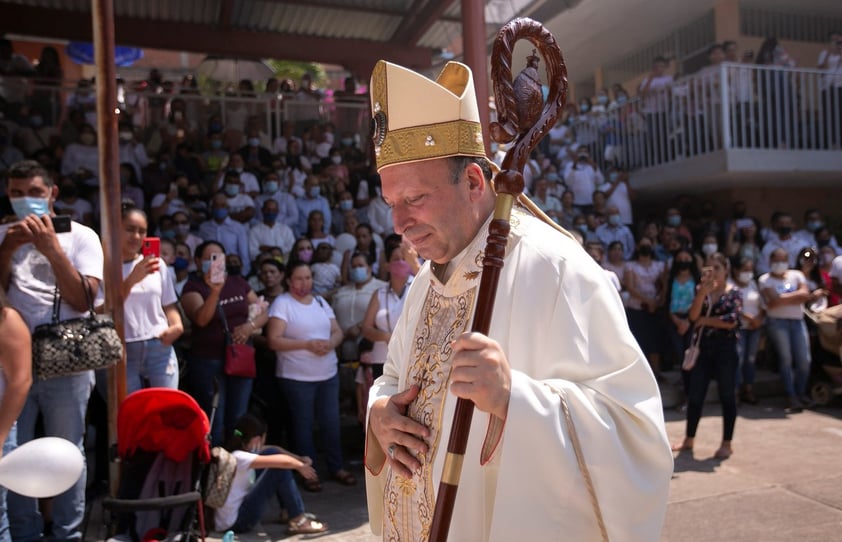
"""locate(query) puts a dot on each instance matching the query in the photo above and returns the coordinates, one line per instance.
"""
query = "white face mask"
(779, 268)
(709, 248)
(745, 277)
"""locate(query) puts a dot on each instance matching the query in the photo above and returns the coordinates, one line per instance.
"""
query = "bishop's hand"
(399, 436)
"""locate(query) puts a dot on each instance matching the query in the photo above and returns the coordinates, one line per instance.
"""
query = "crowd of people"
(315, 276)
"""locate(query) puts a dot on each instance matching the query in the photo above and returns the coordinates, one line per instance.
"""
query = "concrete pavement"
(783, 483)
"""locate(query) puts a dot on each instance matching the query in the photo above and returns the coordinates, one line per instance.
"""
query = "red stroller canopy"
(162, 420)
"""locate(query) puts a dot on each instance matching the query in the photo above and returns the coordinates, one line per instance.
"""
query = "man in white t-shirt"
(582, 178)
(270, 233)
(240, 205)
(248, 180)
(35, 261)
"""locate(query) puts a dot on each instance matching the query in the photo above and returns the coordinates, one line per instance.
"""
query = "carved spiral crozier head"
(415, 118)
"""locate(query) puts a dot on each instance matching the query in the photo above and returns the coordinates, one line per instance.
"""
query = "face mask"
(645, 250)
(674, 220)
(346, 204)
(220, 214)
(232, 190)
(813, 225)
(584, 108)
(234, 270)
(270, 218)
(582, 227)
(614, 220)
(205, 266)
(613, 176)
(683, 266)
(26, 206)
(621, 100)
(336, 159)
(552, 177)
(182, 229)
(300, 292)
(786, 230)
(314, 191)
(126, 136)
(399, 269)
(177, 115)
(87, 138)
(779, 268)
(216, 144)
(238, 169)
(270, 187)
(254, 141)
(709, 248)
(305, 255)
(168, 234)
(347, 141)
(602, 100)
(36, 122)
(180, 264)
(745, 277)
(358, 275)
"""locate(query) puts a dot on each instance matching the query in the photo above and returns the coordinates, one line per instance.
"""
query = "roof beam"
(422, 15)
(73, 25)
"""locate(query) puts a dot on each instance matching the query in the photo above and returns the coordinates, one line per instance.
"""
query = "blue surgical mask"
(168, 234)
(614, 220)
(674, 220)
(582, 227)
(613, 176)
(26, 206)
(270, 217)
(621, 100)
(346, 204)
(584, 108)
(36, 121)
(270, 187)
(347, 141)
(314, 191)
(254, 141)
(602, 100)
(813, 225)
(216, 144)
(180, 264)
(232, 190)
(220, 214)
(358, 274)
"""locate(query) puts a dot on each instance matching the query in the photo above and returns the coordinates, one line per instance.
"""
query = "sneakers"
(807, 401)
(794, 404)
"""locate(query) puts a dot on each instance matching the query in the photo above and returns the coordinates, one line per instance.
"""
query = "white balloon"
(42, 467)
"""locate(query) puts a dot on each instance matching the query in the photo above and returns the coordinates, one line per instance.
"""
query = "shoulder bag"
(691, 355)
(65, 347)
(239, 358)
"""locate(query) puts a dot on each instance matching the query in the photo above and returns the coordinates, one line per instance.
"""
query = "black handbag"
(67, 347)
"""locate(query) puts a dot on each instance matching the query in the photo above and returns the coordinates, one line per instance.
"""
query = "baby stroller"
(826, 370)
(162, 442)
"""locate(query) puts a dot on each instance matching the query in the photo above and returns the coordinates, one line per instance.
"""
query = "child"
(325, 273)
(263, 471)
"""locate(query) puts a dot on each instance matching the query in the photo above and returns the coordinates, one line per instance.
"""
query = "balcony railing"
(150, 108)
(729, 106)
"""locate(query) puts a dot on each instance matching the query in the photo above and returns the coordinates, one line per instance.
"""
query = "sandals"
(723, 453)
(345, 478)
(306, 524)
(313, 486)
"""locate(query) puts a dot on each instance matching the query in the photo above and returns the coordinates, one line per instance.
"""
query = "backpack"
(220, 476)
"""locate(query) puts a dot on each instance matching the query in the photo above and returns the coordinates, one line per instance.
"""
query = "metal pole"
(476, 56)
(109, 197)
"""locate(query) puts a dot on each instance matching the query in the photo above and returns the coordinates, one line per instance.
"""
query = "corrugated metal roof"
(314, 21)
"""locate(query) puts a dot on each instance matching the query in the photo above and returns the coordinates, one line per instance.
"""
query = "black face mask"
(822, 242)
(68, 191)
(645, 250)
(683, 266)
(234, 270)
(784, 230)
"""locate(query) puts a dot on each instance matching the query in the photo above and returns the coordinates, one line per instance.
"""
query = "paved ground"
(783, 483)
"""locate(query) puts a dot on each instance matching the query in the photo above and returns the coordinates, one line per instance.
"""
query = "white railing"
(150, 108)
(729, 106)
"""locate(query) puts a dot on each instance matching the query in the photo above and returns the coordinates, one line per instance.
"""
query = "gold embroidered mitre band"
(415, 118)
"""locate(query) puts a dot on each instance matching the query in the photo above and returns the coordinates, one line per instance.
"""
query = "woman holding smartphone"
(207, 298)
(152, 320)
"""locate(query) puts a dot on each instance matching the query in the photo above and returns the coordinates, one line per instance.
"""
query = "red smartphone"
(151, 247)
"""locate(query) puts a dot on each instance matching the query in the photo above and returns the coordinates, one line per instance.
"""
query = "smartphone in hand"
(217, 268)
(61, 223)
(151, 247)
